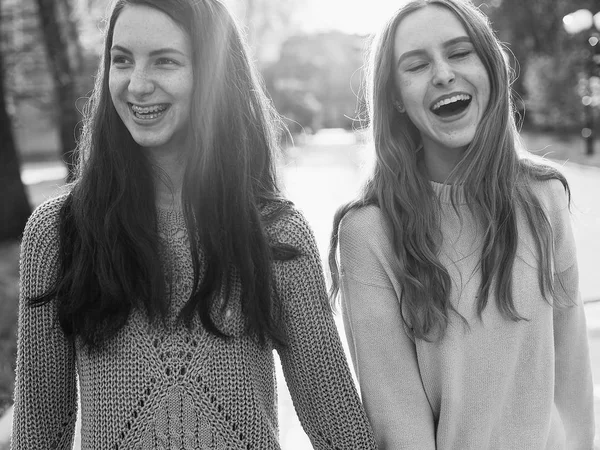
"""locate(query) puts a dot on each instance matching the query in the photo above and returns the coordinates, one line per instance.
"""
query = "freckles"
(403, 88)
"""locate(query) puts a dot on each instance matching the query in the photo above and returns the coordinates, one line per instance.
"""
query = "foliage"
(534, 26)
(59, 41)
(14, 206)
(316, 83)
(267, 24)
(553, 100)
(543, 55)
(9, 293)
(48, 67)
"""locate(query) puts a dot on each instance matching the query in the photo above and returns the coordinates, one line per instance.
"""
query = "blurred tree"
(63, 71)
(553, 102)
(14, 205)
(265, 16)
(25, 69)
(537, 41)
(268, 23)
(317, 80)
(72, 34)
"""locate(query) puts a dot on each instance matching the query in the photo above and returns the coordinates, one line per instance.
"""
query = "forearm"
(319, 378)
(314, 363)
(385, 361)
(573, 376)
(45, 400)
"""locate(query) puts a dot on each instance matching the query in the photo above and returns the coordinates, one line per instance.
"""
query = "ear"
(399, 106)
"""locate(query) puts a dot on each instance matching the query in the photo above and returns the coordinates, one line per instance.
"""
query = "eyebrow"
(160, 51)
(419, 52)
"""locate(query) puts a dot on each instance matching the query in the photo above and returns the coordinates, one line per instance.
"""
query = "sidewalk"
(585, 190)
(5, 427)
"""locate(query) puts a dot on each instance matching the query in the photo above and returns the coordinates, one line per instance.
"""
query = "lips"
(451, 105)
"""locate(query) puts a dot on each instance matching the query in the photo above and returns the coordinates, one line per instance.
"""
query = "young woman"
(163, 280)
(457, 266)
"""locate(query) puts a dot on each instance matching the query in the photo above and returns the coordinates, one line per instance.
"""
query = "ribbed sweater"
(166, 387)
(498, 385)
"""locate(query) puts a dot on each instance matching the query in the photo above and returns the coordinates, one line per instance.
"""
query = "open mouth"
(452, 106)
(148, 112)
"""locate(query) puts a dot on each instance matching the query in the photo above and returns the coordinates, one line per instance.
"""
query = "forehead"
(427, 27)
(142, 27)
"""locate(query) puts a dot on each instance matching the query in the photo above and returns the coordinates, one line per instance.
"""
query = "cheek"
(488, 92)
(185, 90)
(484, 83)
(410, 91)
(114, 85)
(403, 86)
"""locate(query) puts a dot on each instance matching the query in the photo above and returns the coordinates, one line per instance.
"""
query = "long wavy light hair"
(494, 174)
(109, 260)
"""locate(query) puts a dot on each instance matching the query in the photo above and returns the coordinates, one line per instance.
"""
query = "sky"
(351, 16)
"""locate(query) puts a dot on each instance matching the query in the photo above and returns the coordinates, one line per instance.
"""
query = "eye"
(416, 67)
(459, 54)
(119, 60)
(167, 61)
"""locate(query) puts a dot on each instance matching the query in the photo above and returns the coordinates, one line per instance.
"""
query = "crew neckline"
(444, 192)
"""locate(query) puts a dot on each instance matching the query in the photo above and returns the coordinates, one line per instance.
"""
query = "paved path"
(327, 172)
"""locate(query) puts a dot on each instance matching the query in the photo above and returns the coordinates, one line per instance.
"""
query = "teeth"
(452, 99)
(147, 116)
(148, 109)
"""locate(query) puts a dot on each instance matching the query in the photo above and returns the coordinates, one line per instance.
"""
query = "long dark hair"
(108, 258)
(495, 175)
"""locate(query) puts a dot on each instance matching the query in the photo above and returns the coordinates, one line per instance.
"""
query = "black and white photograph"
(314, 225)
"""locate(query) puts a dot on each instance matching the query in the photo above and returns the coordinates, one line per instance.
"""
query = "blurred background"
(311, 55)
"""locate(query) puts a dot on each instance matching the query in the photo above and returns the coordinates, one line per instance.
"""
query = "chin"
(462, 141)
(149, 141)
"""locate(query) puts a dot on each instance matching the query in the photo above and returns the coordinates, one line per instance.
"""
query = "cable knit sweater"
(170, 388)
(501, 385)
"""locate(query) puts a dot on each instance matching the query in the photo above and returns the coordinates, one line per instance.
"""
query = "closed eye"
(416, 67)
(168, 61)
(461, 54)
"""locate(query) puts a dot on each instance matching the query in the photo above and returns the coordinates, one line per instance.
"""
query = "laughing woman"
(457, 268)
(163, 280)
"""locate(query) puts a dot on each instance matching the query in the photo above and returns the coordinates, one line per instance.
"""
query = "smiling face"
(440, 80)
(151, 77)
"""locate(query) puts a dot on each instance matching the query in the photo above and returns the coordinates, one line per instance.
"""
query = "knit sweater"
(169, 387)
(495, 385)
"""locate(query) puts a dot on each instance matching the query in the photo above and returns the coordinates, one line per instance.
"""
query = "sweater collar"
(444, 192)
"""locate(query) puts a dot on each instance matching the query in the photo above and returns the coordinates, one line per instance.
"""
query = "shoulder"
(552, 194)
(40, 244)
(365, 223)
(290, 227)
(42, 225)
(365, 239)
(366, 253)
(546, 182)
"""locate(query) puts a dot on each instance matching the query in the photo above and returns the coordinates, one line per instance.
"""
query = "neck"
(440, 163)
(168, 178)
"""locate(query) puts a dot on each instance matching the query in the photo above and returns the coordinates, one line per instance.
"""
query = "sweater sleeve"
(574, 397)
(384, 356)
(313, 362)
(45, 398)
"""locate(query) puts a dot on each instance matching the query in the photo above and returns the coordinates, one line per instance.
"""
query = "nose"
(140, 83)
(443, 74)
